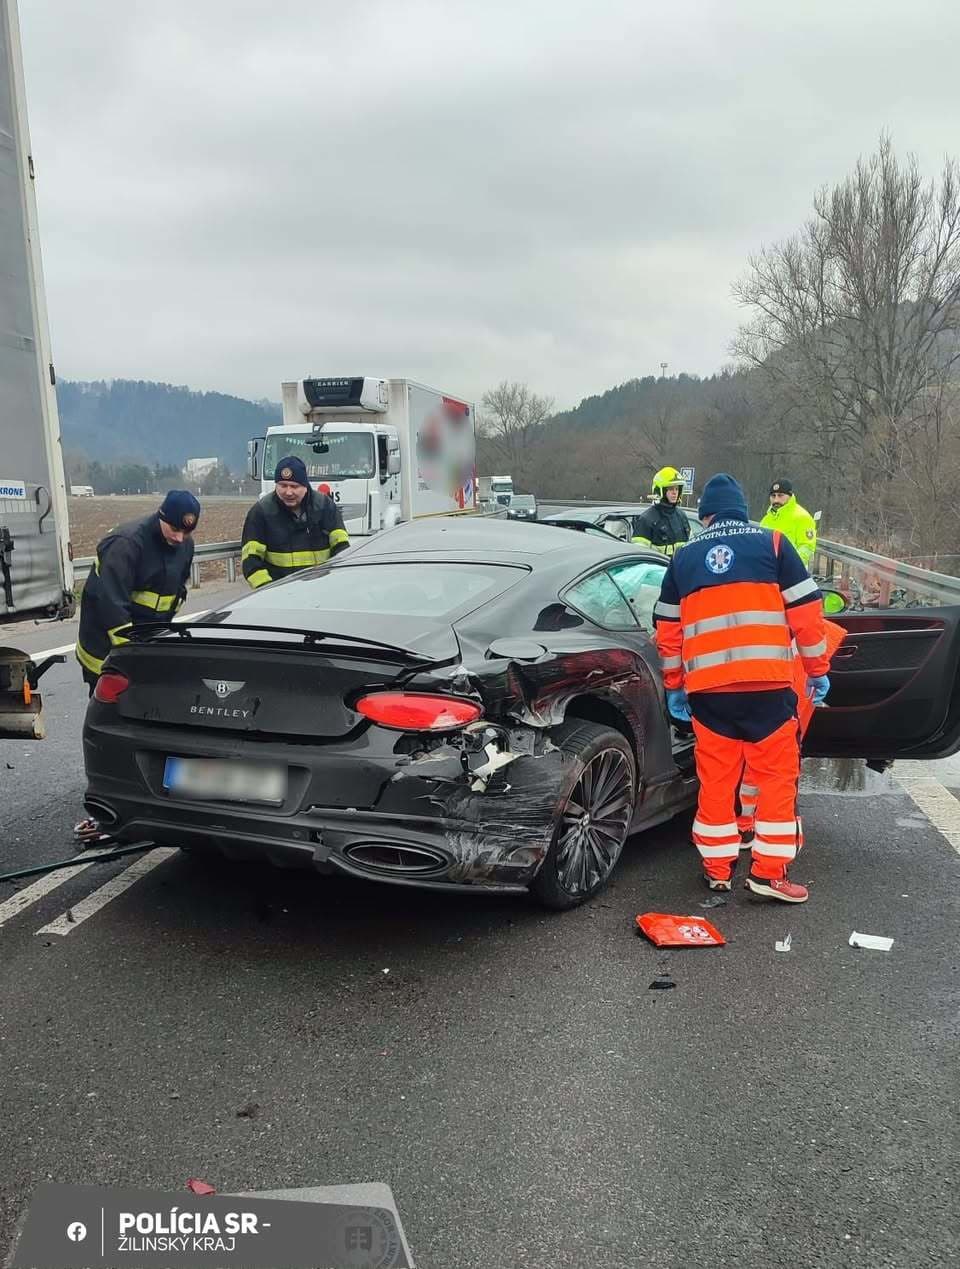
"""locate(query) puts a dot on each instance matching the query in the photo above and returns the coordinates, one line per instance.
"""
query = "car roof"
(484, 538)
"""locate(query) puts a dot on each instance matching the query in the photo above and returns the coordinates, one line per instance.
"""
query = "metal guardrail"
(888, 583)
(203, 552)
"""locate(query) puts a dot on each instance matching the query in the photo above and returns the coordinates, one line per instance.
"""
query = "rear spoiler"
(151, 631)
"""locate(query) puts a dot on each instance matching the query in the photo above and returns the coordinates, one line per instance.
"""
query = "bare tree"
(510, 423)
(856, 321)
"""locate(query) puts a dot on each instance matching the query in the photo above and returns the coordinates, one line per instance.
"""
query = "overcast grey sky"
(235, 193)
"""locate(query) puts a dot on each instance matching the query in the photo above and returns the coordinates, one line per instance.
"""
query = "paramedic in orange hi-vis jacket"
(732, 604)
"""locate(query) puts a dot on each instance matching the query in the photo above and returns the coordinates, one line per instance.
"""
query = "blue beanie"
(292, 469)
(723, 497)
(180, 510)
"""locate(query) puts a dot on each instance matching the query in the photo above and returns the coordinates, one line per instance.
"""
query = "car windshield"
(419, 590)
(523, 500)
(328, 456)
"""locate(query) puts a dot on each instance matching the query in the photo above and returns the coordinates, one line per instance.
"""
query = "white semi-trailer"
(36, 572)
(386, 450)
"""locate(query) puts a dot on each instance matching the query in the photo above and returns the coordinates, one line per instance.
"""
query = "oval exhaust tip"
(102, 812)
(394, 857)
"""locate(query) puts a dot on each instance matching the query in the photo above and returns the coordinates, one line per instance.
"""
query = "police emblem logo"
(286, 474)
(719, 559)
(189, 520)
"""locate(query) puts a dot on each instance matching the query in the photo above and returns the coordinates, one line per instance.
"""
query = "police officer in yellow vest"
(664, 527)
(292, 528)
(139, 576)
(794, 522)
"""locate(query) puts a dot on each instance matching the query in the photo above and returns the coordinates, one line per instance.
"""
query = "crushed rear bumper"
(349, 810)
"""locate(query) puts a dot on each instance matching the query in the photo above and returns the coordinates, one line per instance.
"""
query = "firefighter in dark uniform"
(292, 528)
(139, 576)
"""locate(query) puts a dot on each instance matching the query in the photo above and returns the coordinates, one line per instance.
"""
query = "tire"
(582, 856)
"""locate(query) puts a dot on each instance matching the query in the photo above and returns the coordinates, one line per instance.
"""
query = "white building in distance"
(199, 468)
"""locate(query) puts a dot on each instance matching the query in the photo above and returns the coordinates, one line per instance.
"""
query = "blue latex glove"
(678, 705)
(817, 689)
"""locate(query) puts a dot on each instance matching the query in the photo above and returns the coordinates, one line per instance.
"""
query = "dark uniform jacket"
(137, 577)
(277, 542)
(663, 527)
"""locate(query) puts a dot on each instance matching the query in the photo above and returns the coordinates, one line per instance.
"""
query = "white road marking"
(937, 803)
(92, 904)
(31, 894)
(69, 647)
(53, 652)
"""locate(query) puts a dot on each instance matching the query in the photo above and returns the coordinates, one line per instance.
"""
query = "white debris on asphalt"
(873, 942)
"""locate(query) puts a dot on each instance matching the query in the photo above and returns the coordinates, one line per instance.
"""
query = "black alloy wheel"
(594, 816)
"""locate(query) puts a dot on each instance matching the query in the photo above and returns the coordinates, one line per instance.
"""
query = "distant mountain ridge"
(142, 421)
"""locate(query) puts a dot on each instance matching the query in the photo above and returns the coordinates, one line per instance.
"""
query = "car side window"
(619, 527)
(640, 583)
(599, 599)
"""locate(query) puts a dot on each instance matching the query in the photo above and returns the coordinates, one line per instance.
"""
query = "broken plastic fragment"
(496, 759)
(666, 930)
(715, 901)
(200, 1187)
(661, 984)
(874, 942)
(783, 945)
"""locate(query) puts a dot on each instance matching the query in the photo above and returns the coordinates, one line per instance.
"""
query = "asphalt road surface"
(509, 1073)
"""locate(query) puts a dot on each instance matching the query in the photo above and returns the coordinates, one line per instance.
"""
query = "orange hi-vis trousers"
(774, 762)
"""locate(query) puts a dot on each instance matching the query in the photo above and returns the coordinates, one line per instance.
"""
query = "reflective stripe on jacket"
(277, 543)
(796, 524)
(137, 577)
(662, 527)
(731, 605)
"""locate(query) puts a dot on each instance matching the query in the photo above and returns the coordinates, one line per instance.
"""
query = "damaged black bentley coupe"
(457, 703)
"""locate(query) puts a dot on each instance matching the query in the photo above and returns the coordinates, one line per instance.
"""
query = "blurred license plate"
(225, 781)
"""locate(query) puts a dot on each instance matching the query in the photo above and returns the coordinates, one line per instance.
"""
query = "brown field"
(221, 519)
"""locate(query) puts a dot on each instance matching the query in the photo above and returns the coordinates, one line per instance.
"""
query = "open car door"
(894, 687)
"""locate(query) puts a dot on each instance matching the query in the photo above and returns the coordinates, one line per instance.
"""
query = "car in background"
(579, 526)
(618, 519)
(457, 704)
(522, 507)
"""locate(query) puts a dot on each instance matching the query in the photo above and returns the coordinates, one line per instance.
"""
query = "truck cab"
(501, 490)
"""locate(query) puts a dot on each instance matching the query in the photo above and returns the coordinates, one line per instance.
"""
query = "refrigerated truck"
(386, 450)
(36, 570)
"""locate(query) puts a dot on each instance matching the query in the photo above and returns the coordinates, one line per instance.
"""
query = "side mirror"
(393, 463)
(833, 603)
(253, 457)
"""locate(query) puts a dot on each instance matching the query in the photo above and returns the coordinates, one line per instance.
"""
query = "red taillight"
(110, 686)
(417, 711)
